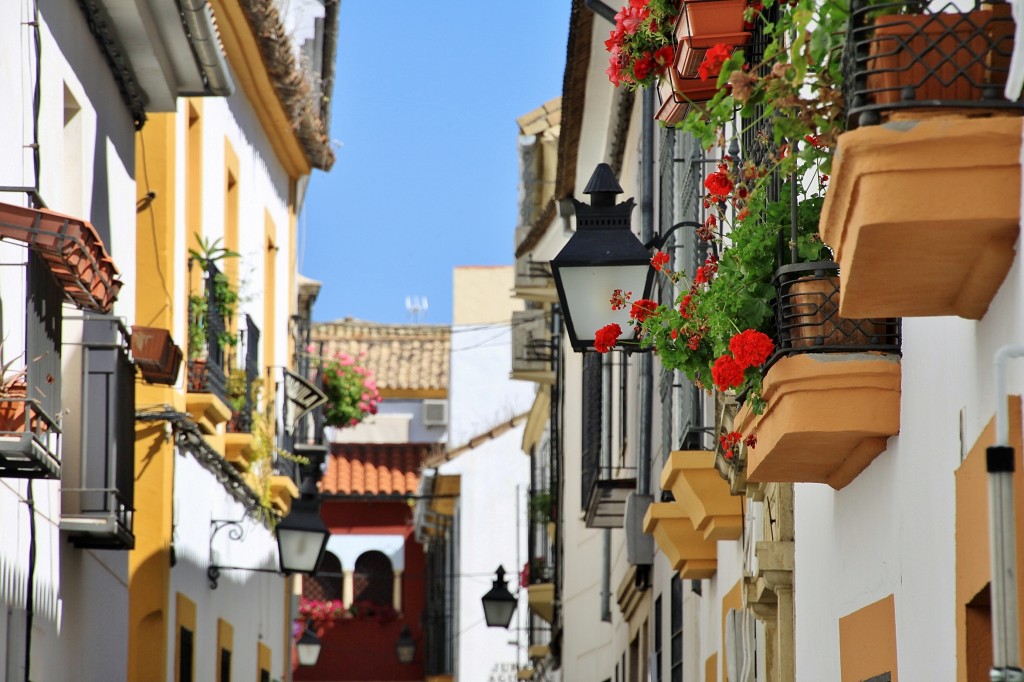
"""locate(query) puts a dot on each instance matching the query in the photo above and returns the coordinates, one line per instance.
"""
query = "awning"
(73, 252)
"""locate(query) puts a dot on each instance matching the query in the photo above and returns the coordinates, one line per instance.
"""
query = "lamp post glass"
(588, 290)
(302, 539)
(308, 647)
(499, 603)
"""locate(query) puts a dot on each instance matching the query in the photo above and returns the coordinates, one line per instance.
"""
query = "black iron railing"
(916, 55)
(206, 375)
(808, 321)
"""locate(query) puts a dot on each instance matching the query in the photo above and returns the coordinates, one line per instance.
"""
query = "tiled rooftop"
(374, 469)
(404, 357)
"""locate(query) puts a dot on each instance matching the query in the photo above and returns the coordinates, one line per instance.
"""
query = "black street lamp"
(499, 604)
(602, 257)
(405, 649)
(302, 536)
(308, 647)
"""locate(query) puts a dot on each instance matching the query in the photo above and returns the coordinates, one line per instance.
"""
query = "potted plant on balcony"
(915, 54)
(641, 44)
(12, 395)
(351, 389)
(222, 295)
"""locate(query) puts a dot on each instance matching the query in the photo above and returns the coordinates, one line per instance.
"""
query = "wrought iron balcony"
(97, 499)
(206, 374)
(30, 402)
(807, 316)
(902, 56)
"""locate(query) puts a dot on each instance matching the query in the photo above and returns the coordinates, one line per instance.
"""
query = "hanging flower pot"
(945, 56)
(710, 17)
(692, 51)
(12, 408)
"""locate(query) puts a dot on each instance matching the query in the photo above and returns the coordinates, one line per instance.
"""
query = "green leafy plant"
(225, 298)
(541, 507)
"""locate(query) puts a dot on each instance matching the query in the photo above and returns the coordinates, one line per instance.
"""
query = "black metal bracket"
(236, 533)
(659, 240)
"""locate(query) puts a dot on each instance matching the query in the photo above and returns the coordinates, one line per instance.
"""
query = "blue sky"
(425, 105)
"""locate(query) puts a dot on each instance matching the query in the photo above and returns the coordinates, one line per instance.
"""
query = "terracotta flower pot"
(12, 409)
(691, 50)
(710, 17)
(945, 56)
(810, 315)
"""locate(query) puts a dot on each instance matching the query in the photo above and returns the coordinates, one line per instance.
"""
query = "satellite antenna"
(414, 305)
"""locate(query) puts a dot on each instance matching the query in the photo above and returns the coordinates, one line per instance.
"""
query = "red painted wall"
(364, 650)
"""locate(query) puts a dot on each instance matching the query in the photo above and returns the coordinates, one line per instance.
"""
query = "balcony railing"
(29, 408)
(807, 315)
(98, 497)
(241, 419)
(206, 374)
(916, 55)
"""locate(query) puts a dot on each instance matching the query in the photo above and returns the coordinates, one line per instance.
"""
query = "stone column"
(396, 595)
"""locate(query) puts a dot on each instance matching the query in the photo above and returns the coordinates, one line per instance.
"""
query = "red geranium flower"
(730, 443)
(719, 184)
(751, 348)
(606, 337)
(620, 299)
(727, 373)
(663, 55)
(750, 441)
(642, 67)
(686, 305)
(713, 60)
(642, 309)
(658, 260)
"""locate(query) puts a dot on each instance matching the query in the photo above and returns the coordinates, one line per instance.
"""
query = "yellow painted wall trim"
(265, 660)
(149, 571)
(439, 393)
(247, 66)
(867, 641)
(184, 617)
(225, 641)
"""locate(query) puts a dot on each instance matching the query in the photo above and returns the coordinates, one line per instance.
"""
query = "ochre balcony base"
(282, 491)
(238, 449)
(827, 417)
(685, 547)
(703, 494)
(207, 410)
(541, 598)
(923, 215)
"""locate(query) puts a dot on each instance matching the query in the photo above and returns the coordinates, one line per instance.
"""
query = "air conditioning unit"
(435, 413)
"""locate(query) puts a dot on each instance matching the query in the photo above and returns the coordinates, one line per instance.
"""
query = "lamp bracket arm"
(659, 240)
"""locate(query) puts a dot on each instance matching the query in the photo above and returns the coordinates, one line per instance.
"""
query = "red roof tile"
(374, 468)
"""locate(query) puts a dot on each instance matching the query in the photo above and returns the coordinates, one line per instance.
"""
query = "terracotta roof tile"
(403, 357)
(374, 468)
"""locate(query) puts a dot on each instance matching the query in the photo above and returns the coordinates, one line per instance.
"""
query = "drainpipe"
(197, 18)
(606, 465)
(1002, 528)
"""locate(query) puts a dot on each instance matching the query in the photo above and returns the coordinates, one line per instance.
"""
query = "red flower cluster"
(719, 184)
(706, 272)
(727, 373)
(749, 348)
(606, 337)
(686, 306)
(706, 232)
(638, 47)
(714, 58)
(659, 260)
(730, 443)
(620, 299)
(642, 309)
